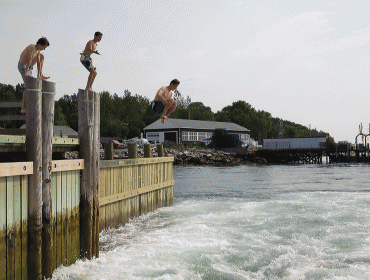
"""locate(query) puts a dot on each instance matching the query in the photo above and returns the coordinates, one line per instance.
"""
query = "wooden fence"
(132, 187)
(65, 192)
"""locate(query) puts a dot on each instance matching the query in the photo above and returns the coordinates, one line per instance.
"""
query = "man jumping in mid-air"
(28, 58)
(86, 58)
(163, 102)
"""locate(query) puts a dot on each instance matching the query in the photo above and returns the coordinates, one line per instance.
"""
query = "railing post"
(48, 97)
(34, 154)
(160, 150)
(108, 151)
(132, 150)
(85, 133)
(147, 150)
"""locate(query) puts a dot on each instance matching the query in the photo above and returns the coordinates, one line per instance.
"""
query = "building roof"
(194, 124)
(60, 130)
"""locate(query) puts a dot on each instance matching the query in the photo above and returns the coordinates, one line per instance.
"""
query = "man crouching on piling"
(163, 102)
(87, 61)
(28, 58)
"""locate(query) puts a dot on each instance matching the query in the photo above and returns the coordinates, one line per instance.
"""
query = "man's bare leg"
(90, 79)
(40, 64)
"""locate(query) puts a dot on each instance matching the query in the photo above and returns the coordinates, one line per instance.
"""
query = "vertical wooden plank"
(64, 218)
(10, 229)
(17, 228)
(59, 217)
(109, 192)
(69, 216)
(114, 191)
(102, 194)
(54, 179)
(3, 231)
(24, 217)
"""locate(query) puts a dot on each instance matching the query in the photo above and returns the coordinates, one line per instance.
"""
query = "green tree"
(200, 112)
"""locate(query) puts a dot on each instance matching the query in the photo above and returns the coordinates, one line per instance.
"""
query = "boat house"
(182, 131)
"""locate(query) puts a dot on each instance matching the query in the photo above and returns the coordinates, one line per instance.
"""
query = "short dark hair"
(43, 41)
(175, 82)
(97, 33)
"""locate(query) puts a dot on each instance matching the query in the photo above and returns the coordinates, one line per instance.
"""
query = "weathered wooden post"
(96, 178)
(48, 97)
(108, 151)
(132, 150)
(160, 150)
(147, 150)
(85, 133)
(34, 154)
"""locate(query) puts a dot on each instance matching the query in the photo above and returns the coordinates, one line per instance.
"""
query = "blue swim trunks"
(87, 62)
(22, 69)
(157, 106)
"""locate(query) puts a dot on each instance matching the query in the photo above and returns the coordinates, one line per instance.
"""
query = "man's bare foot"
(44, 78)
(164, 118)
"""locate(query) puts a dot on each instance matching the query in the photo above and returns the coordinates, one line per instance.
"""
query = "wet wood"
(48, 96)
(34, 154)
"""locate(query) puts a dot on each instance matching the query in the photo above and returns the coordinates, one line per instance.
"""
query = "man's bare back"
(29, 55)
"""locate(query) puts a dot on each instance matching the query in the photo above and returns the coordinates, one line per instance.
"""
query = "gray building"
(61, 131)
(182, 131)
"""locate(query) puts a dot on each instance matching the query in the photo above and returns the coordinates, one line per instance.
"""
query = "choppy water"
(246, 222)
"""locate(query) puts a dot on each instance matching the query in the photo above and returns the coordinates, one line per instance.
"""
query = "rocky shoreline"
(190, 156)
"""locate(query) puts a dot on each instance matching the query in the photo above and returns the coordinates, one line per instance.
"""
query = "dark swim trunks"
(158, 106)
(87, 62)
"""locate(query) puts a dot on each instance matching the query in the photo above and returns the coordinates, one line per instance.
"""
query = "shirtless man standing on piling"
(28, 58)
(87, 61)
(163, 102)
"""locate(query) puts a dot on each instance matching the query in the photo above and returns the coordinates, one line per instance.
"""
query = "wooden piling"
(108, 151)
(147, 150)
(160, 150)
(34, 154)
(132, 150)
(85, 132)
(96, 169)
(48, 98)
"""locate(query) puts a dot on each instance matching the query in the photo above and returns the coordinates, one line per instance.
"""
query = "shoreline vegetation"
(124, 115)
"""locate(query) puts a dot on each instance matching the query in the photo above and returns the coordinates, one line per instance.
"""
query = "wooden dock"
(51, 211)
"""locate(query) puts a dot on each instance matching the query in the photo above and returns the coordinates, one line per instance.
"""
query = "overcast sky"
(304, 61)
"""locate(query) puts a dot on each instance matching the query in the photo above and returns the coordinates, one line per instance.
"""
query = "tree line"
(126, 116)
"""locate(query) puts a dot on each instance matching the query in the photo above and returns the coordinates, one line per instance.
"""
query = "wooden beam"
(10, 104)
(132, 193)
(67, 165)
(16, 169)
(13, 139)
(138, 161)
(21, 139)
(13, 118)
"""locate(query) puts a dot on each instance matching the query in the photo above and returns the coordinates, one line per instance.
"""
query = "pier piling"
(47, 120)
(34, 153)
